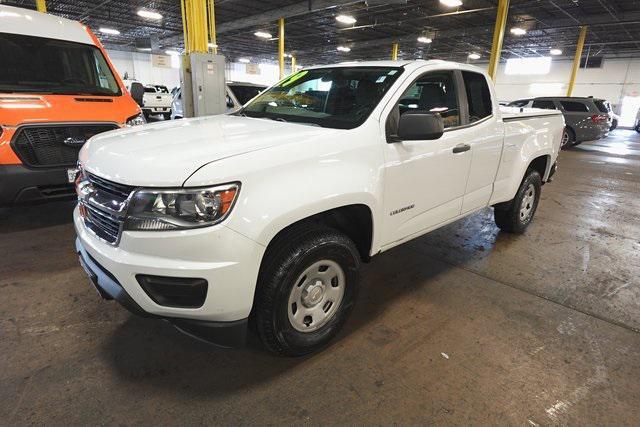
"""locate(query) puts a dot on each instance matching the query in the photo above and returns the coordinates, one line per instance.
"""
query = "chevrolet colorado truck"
(263, 216)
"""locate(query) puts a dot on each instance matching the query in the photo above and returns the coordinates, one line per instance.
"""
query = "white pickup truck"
(157, 100)
(265, 215)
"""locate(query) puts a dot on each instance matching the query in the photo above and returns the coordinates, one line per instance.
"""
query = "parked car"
(267, 213)
(238, 94)
(584, 120)
(605, 107)
(156, 102)
(57, 89)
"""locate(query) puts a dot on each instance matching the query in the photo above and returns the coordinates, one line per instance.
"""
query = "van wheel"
(516, 215)
(568, 138)
(307, 287)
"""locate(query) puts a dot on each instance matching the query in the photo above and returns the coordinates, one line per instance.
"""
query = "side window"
(434, 93)
(519, 103)
(545, 104)
(574, 106)
(478, 96)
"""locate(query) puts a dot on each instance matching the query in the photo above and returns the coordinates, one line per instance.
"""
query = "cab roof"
(408, 65)
(16, 20)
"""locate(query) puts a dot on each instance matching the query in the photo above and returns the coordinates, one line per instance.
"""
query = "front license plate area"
(71, 175)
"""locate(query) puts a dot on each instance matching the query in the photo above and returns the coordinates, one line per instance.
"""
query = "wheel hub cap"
(528, 201)
(316, 296)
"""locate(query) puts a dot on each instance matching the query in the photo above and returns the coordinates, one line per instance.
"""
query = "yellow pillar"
(197, 34)
(498, 37)
(184, 27)
(576, 59)
(212, 26)
(394, 52)
(281, 46)
(293, 64)
(41, 6)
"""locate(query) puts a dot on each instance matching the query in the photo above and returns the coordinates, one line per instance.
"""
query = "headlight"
(136, 120)
(180, 208)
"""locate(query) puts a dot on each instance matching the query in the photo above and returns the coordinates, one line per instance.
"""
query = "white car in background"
(157, 100)
(238, 94)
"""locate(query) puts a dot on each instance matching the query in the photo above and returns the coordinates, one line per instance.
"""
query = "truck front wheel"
(306, 289)
(516, 215)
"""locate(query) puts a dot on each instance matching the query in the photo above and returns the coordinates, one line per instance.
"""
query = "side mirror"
(420, 125)
(137, 92)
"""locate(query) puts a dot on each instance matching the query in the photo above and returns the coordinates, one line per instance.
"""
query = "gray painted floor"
(464, 325)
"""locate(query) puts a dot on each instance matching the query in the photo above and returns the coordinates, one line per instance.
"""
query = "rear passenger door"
(487, 135)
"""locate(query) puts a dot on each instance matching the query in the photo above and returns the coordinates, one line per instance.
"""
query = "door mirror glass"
(137, 92)
(420, 125)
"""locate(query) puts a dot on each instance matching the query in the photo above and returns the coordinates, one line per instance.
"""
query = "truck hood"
(165, 154)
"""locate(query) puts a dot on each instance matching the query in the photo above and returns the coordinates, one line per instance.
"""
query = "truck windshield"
(340, 97)
(42, 65)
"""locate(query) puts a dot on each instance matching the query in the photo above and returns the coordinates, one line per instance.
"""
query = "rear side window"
(519, 103)
(545, 104)
(602, 107)
(574, 106)
(478, 96)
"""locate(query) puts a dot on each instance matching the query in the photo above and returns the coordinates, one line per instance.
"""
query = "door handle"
(461, 148)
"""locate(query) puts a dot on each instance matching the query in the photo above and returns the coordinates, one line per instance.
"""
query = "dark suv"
(584, 119)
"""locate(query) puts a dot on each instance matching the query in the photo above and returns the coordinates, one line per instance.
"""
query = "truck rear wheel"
(306, 289)
(516, 215)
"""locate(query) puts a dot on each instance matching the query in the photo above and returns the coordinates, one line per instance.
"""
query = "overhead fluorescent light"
(346, 19)
(528, 66)
(109, 31)
(451, 3)
(145, 49)
(555, 52)
(424, 40)
(244, 60)
(262, 34)
(344, 49)
(149, 14)
(518, 31)
(172, 52)
(474, 56)
(212, 45)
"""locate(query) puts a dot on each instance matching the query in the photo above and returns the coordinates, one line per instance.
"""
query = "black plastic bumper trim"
(223, 334)
(21, 185)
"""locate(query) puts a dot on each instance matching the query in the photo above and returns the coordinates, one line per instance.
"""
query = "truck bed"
(517, 113)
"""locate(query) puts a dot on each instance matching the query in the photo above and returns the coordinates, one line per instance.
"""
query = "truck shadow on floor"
(33, 217)
(152, 351)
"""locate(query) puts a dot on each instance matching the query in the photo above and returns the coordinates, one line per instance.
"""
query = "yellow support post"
(41, 6)
(184, 27)
(195, 12)
(394, 52)
(212, 26)
(498, 37)
(281, 46)
(293, 64)
(576, 59)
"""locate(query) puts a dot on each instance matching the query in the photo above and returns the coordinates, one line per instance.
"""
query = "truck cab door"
(425, 181)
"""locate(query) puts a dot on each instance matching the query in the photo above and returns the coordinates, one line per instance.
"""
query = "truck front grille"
(98, 209)
(54, 145)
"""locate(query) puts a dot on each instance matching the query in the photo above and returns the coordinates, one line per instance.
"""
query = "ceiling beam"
(271, 16)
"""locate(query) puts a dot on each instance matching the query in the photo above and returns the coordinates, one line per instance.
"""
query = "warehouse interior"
(463, 325)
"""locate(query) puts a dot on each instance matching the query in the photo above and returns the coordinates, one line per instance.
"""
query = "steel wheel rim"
(565, 138)
(526, 207)
(316, 296)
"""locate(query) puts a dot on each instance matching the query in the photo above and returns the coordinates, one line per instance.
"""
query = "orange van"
(57, 89)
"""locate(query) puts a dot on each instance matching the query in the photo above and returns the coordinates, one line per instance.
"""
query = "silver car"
(584, 120)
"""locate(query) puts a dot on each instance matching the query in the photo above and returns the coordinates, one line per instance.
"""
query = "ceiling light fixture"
(344, 49)
(451, 3)
(346, 19)
(474, 56)
(244, 60)
(149, 14)
(424, 39)
(555, 52)
(109, 31)
(172, 52)
(262, 34)
(518, 31)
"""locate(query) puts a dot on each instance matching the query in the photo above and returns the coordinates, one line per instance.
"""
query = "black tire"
(568, 138)
(614, 124)
(285, 261)
(508, 215)
(166, 116)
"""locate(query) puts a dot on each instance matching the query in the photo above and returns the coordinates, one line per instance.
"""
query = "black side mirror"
(137, 92)
(420, 125)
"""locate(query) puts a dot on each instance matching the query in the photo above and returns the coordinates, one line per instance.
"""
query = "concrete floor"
(465, 325)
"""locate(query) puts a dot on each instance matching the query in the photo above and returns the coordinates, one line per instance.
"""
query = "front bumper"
(20, 185)
(226, 259)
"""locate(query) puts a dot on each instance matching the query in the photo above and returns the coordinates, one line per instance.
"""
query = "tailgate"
(152, 100)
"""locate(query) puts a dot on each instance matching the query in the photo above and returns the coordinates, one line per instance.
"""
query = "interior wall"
(617, 78)
(138, 66)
